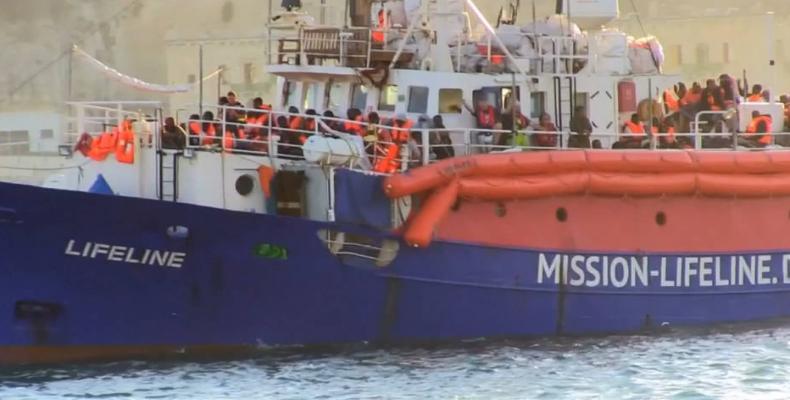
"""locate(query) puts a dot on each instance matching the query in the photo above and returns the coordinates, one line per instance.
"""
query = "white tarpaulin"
(134, 82)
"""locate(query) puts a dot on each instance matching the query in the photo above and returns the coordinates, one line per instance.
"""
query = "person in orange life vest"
(372, 136)
(194, 129)
(296, 126)
(711, 97)
(633, 134)
(758, 132)
(485, 120)
(289, 144)
(692, 96)
(549, 138)
(257, 122)
(756, 96)
(401, 133)
(671, 103)
(353, 123)
(383, 18)
(172, 138)
(681, 91)
(310, 125)
(209, 129)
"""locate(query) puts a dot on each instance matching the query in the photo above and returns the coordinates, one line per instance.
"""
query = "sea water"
(741, 363)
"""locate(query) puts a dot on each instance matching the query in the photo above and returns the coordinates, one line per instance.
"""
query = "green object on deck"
(270, 251)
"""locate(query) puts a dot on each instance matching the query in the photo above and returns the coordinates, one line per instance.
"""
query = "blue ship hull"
(221, 291)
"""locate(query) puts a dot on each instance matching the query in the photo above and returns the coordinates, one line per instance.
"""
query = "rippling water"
(743, 364)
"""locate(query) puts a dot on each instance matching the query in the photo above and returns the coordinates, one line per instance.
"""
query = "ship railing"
(96, 117)
(429, 145)
(558, 55)
(358, 47)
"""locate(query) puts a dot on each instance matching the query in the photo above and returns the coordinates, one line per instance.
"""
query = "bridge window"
(418, 99)
(450, 101)
(388, 97)
(537, 104)
(359, 97)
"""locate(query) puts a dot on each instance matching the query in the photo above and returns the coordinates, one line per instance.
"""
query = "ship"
(131, 248)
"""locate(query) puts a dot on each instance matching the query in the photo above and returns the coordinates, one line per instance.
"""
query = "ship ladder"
(168, 175)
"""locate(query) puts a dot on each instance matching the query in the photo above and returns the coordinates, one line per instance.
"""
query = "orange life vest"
(124, 151)
(755, 98)
(310, 125)
(227, 140)
(295, 123)
(486, 118)
(712, 103)
(752, 128)
(354, 127)
(389, 163)
(400, 132)
(211, 132)
(378, 34)
(103, 145)
(691, 98)
(194, 128)
(636, 129)
(671, 101)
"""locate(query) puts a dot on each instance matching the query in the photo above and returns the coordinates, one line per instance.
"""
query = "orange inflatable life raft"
(529, 175)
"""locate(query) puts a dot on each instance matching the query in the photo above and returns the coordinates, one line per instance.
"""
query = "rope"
(48, 169)
(66, 52)
(638, 19)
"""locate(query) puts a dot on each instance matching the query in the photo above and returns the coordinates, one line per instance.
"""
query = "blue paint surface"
(225, 294)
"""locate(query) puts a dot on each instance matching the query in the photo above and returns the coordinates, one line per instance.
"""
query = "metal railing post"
(426, 146)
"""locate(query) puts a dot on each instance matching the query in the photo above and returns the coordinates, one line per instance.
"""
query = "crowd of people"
(682, 104)
(250, 128)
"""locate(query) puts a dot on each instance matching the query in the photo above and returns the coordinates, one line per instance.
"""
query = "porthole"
(562, 214)
(501, 210)
(244, 185)
(661, 218)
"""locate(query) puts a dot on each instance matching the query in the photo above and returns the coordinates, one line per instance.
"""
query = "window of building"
(451, 101)
(359, 96)
(726, 54)
(47, 134)
(674, 55)
(388, 98)
(418, 99)
(703, 54)
(537, 104)
(191, 78)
